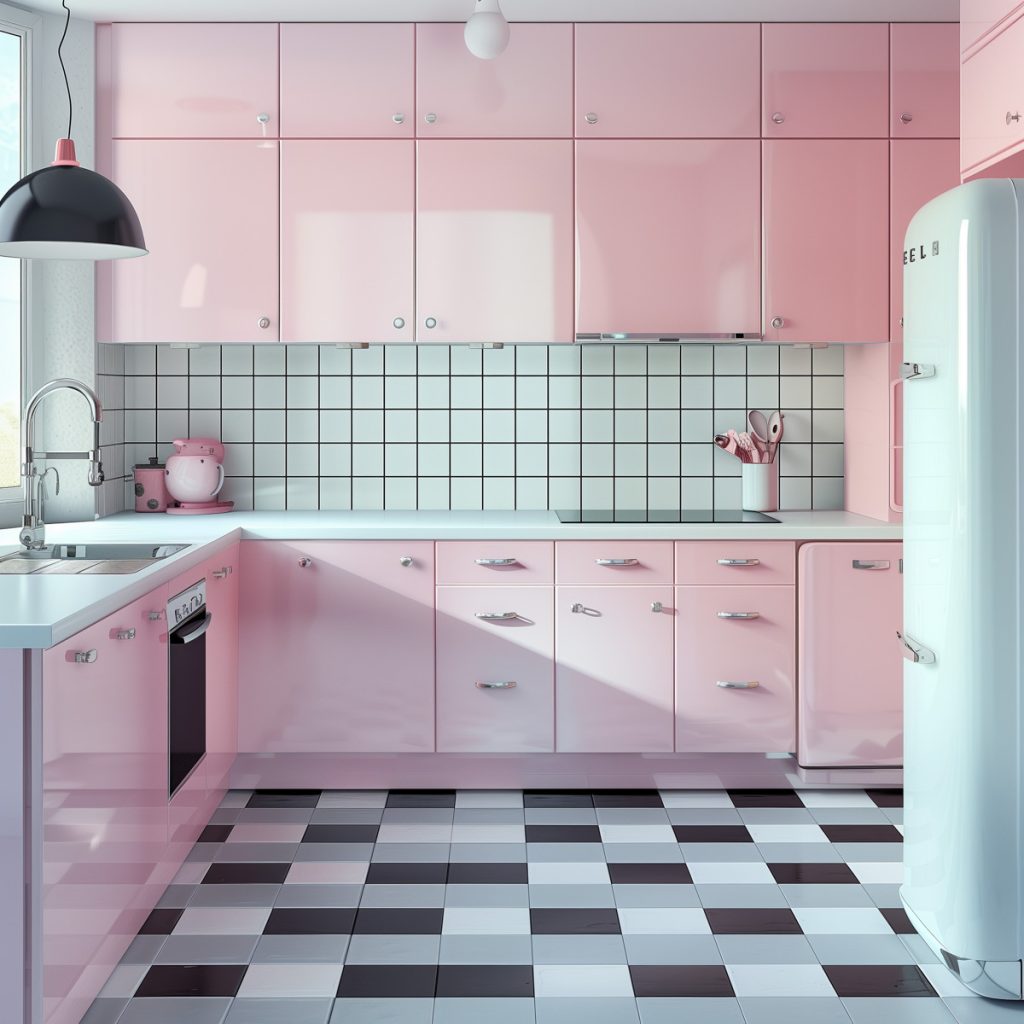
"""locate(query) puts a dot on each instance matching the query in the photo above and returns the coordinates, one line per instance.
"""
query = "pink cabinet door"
(667, 81)
(925, 81)
(826, 233)
(525, 93)
(347, 241)
(826, 81)
(336, 654)
(184, 81)
(104, 807)
(695, 205)
(347, 80)
(851, 667)
(613, 674)
(735, 654)
(495, 669)
(494, 241)
(222, 583)
(209, 209)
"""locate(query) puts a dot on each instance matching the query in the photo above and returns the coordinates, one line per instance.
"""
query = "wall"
(437, 427)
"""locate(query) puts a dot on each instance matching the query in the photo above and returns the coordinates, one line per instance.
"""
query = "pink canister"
(151, 487)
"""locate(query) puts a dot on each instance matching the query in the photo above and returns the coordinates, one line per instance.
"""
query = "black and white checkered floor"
(611, 907)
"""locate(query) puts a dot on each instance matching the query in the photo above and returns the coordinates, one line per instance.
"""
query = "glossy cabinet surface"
(495, 563)
(212, 269)
(494, 241)
(613, 675)
(336, 654)
(980, 17)
(851, 665)
(202, 80)
(347, 241)
(826, 230)
(495, 673)
(712, 649)
(924, 81)
(667, 81)
(525, 93)
(825, 80)
(735, 563)
(347, 80)
(668, 235)
(613, 562)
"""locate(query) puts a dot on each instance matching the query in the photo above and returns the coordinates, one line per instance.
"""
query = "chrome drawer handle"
(735, 684)
(739, 561)
(916, 371)
(223, 573)
(509, 685)
(879, 563)
(497, 561)
(617, 561)
(914, 651)
(154, 616)
(739, 615)
(497, 616)
(85, 657)
(124, 634)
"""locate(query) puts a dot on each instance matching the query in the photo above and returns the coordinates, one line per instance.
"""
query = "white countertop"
(40, 611)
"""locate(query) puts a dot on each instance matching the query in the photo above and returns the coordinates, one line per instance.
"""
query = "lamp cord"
(60, 57)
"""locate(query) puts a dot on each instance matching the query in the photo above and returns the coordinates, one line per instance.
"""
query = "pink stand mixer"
(195, 475)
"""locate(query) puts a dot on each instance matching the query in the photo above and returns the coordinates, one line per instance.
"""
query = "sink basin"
(83, 559)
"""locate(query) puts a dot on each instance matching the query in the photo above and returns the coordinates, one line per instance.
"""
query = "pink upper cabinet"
(202, 80)
(980, 17)
(925, 83)
(668, 236)
(209, 210)
(825, 80)
(826, 235)
(347, 80)
(667, 81)
(494, 249)
(347, 240)
(525, 93)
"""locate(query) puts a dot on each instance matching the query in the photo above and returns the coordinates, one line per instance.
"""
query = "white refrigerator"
(963, 530)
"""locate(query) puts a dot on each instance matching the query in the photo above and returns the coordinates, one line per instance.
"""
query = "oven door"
(186, 656)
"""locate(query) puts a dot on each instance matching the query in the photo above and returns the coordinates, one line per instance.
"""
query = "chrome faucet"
(33, 529)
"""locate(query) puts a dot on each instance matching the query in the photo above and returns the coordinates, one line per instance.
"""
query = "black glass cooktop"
(626, 516)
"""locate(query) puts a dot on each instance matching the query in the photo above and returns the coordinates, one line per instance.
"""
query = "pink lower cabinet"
(851, 666)
(735, 661)
(495, 650)
(336, 649)
(104, 806)
(613, 675)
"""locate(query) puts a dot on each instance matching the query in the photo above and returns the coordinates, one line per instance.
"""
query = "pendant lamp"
(65, 211)
(486, 31)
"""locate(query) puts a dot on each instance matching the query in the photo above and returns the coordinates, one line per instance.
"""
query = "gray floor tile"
(486, 895)
(580, 852)
(488, 853)
(475, 1011)
(225, 815)
(418, 815)
(334, 851)
(250, 815)
(685, 1011)
(382, 1011)
(718, 853)
(277, 853)
(967, 1010)
(279, 1011)
(742, 895)
(353, 798)
(578, 949)
(765, 949)
(704, 816)
(860, 949)
(393, 949)
(486, 949)
(207, 949)
(858, 853)
(632, 816)
(793, 1010)
(671, 949)
(104, 1011)
(571, 896)
(488, 816)
(176, 896)
(920, 949)
(411, 853)
(642, 853)
(899, 1011)
(396, 895)
(656, 895)
(300, 949)
(849, 816)
(826, 896)
(143, 949)
(775, 816)
(561, 816)
(884, 894)
(179, 1010)
(347, 815)
(568, 1010)
(799, 853)
(894, 814)
(234, 895)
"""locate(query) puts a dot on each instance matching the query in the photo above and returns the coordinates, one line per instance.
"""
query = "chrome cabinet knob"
(305, 563)
(85, 657)
(264, 322)
(398, 323)
(906, 117)
(154, 616)
(591, 118)
(778, 117)
(430, 323)
(263, 119)
(901, 321)
(430, 118)
(657, 607)
(778, 321)
(398, 118)
(124, 634)
(406, 561)
(222, 573)
(1011, 117)
(577, 608)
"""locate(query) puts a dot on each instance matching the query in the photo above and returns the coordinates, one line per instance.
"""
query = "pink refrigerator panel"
(613, 678)
(925, 81)
(695, 205)
(851, 669)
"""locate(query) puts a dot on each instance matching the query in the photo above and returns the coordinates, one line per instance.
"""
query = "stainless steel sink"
(92, 559)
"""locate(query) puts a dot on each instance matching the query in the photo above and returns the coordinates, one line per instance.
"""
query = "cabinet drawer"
(614, 562)
(504, 563)
(718, 661)
(735, 563)
(478, 660)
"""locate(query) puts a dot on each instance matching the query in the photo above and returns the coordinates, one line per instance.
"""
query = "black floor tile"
(886, 797)
(563, 834)
(251, 873)
(627, 798)
(487, 874)
(649, 874)
(574, 921)
(862, 833)
(712, 834)
(556, 798)
(215, 834)
(752, 921)
(391, 981)
(310, 921)
(198, 980)
(898, 920)
(765, 798)
(284, 798)
(878, 980)
(160, 922)
(340, 834)
(484, 981)
(421, 798)
(813, 874)
(674, 981)
(400, 921)
(387, 873)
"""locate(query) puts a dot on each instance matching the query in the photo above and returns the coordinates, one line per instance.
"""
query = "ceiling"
(515, 10)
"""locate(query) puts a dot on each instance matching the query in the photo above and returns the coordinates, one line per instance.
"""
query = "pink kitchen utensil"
(746, 443)
(726, 442)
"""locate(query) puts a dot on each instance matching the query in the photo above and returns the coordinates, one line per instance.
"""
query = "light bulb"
(487, 30)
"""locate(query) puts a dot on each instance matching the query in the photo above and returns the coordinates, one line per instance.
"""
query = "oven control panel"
(187, 603)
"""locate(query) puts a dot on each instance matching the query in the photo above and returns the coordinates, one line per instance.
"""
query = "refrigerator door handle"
(914, 651)
(916, 371)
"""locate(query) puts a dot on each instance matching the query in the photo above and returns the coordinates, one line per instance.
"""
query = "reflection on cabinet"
(337, 646)
(925, 81)
(668, 236)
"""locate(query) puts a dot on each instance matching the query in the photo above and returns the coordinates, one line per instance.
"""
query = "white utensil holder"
(760, 489)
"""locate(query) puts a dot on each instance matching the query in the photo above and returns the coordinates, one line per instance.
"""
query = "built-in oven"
(187, 623)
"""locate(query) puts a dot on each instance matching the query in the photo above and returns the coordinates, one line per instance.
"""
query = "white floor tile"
(290, 980)
(779, 980)
(486, 921)
(221, 921)
(674, 921)
(787, 834)
(885, 872)
(841, 921)
(581, 980)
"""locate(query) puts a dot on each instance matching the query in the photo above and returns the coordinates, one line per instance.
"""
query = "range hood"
(667, 338)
